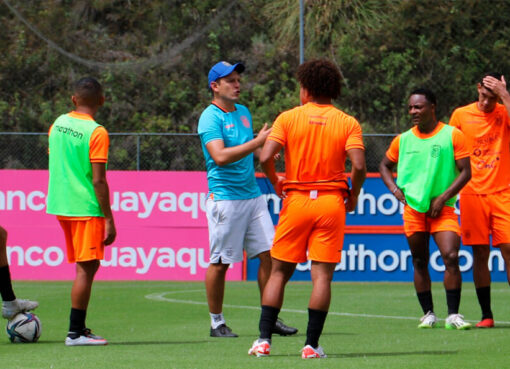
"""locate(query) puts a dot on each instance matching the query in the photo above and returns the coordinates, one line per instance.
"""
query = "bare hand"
(111, 232)
(263, 133)
(495, 85)
(436, 205)
(350, 202)
(400, 196)
(278, 187)
(277, 156)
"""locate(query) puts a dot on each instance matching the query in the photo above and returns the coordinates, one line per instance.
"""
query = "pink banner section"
(160, 218)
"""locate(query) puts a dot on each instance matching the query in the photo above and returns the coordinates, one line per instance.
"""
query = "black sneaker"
(282, 329)
(222, 331)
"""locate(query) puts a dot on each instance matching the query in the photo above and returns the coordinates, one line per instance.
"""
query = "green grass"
(370, 325)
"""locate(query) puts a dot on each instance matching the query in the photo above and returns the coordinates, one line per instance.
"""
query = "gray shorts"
(235, 225)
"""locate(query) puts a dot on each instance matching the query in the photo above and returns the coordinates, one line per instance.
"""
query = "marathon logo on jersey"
(69, 132)
(435, 151)
(317, 120)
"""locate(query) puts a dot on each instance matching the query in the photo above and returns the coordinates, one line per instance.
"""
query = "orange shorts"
(313, 225)
(483, 215)
(415, 221)
(84, 238)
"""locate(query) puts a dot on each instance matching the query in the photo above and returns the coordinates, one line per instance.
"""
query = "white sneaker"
(11, 308)
(308, 352)
(86, 339)
(429, 320)
(260, 348)
(456, 321)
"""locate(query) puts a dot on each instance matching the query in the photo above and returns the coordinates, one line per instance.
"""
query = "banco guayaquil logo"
(435, 151)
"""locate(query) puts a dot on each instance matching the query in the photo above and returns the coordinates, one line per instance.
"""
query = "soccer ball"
(24, 327)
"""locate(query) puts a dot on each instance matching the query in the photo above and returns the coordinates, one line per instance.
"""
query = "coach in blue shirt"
(237, 214)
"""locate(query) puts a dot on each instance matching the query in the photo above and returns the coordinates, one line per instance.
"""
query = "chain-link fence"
(145, 151)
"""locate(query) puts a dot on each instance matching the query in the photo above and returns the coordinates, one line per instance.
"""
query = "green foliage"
(153, 57)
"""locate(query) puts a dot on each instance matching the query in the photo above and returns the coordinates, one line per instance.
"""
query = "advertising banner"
(160, 219)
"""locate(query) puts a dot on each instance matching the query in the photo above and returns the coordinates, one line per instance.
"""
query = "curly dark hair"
(321, 78)
(429, 95)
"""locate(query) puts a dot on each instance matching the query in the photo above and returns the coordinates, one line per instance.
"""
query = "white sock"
(216, 320)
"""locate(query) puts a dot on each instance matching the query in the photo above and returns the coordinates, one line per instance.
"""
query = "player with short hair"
(10, 304)
(433, 165)
(485, 201)
(78, 194)
(237, 214)
(317, 139)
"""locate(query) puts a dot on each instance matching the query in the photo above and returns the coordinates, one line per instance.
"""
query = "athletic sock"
(76, 322)
(216, 320)
(268, 317)
(425, 299)
(6, 284)
(484, 299)
(316, 319)
(453, 300)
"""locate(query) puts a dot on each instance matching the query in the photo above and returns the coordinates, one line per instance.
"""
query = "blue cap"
(223, 69)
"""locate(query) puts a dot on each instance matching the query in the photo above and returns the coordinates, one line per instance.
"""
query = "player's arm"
(103, 198)
(499, 88)
(267, 156)
(386, 170)
(464, 167)
(358, 175)
(226, 155)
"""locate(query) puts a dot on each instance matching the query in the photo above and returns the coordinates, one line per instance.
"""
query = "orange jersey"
(459, 143)
(316, 138)
(488, 141)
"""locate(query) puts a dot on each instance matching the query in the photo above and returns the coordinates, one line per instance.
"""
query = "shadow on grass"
(135, 343)
(381, 354)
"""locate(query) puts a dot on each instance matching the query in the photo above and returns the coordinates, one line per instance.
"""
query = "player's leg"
(505, 252)
(419, 247)
(84, 241)
(475, 221)
(318, 307)
(482, 280)
(10, 305)
(215, 290)
(258, 241)
(448, 243)
(227, 223)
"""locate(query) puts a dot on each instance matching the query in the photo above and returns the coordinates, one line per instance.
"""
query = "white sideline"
(160, 296)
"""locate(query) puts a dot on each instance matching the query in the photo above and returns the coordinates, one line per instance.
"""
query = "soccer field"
(166, 325)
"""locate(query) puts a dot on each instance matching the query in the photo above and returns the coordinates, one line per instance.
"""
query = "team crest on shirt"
(245, 121)
(435, 151)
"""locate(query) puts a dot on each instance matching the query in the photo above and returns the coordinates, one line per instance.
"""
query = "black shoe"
(222, 331)
(282, 329)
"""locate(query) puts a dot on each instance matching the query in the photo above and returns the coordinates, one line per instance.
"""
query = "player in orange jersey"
(485, 201)
(317, 139)
(78, 194)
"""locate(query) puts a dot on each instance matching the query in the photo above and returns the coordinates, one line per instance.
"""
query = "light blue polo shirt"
(235, 181)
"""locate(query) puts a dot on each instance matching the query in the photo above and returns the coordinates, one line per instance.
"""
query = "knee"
(451, 260)
(420, 263)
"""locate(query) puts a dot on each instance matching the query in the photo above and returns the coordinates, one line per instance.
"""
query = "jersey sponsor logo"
(317, 120)
(245, 121)
(69, 132)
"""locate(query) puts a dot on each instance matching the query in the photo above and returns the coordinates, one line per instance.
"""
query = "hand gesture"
(263, 133)
(495, 85)
(436, 205)
(400, 196)
(278, 187)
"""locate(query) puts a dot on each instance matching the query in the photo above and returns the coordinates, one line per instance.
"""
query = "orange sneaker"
(485, 323)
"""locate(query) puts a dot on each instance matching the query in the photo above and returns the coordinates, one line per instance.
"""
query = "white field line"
(161, 296)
